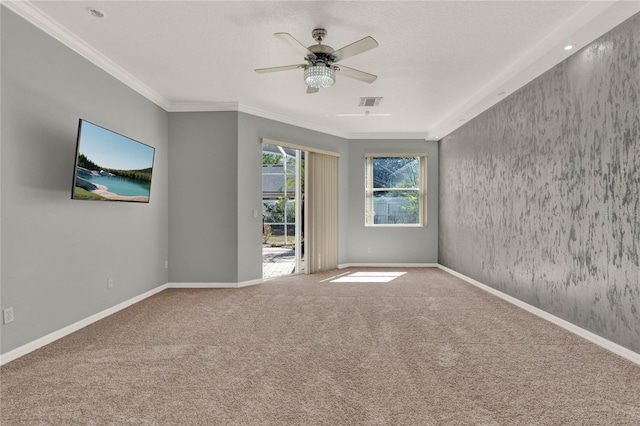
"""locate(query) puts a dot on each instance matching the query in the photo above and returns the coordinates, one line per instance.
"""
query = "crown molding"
(263, 113)
(592, 21)
(395, 135)
(35, 16)
(202, 106)
(252, 110)
(588, 24)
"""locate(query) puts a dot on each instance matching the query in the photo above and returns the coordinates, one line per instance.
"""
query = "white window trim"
(422, 192)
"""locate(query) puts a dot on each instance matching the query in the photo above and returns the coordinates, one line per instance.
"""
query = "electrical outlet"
(7, 315)
(166, 264)
(368, 249)
(110, 282)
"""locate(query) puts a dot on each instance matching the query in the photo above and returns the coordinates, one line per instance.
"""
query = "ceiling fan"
(320, 71)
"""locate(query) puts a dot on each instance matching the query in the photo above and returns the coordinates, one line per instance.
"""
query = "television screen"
(111, 167)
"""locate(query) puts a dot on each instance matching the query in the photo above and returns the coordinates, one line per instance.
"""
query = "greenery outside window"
(395, 189)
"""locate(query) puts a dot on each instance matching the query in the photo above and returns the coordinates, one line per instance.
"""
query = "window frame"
(370, 190)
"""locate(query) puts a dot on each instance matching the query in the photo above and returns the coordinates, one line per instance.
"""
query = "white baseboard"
(387, 265)
(592, 337)
(215, 285)
(250, 282)
(52, 337)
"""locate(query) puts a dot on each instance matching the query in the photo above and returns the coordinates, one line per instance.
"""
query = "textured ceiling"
(438, 63)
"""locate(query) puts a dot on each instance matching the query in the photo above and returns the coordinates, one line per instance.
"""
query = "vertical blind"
(321, 210)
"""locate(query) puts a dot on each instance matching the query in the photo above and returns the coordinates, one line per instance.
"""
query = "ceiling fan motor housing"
(322, 54)
(319, 70)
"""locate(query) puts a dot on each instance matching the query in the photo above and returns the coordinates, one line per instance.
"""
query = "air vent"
(370, 102)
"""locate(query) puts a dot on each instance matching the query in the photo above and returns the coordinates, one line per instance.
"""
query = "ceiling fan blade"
(354, 48)
(312, 89)
(357, 74)
(283, 68)
(299, 47)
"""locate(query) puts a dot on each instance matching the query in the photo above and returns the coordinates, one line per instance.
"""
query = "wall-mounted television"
(110, 166)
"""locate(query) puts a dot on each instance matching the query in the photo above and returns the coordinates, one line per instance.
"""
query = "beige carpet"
(424, 349)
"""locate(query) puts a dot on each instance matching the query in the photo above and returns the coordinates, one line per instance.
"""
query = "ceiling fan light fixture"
(319, 76)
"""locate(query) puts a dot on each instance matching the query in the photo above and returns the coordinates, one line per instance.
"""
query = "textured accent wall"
(540, 195)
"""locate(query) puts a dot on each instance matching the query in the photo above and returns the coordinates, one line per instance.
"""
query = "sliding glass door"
(282, 210)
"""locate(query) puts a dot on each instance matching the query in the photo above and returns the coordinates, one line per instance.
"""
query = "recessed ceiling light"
(96, 12)
(502, 93)
(569, 46)
(463, 119)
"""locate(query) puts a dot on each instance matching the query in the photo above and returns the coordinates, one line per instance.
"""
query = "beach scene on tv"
(111, 167)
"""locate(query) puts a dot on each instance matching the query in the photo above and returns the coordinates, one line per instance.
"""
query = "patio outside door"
(282, 211)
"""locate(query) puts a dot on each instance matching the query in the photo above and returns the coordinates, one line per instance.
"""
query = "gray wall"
(203, 197)
(251, 129)
(215, 183)
(56, 252)
(540, 196)
(390, 244)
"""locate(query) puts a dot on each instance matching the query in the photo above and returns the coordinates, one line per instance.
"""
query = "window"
(395, 193)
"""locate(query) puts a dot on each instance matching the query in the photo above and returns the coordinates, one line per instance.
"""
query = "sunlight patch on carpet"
(369, 277)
